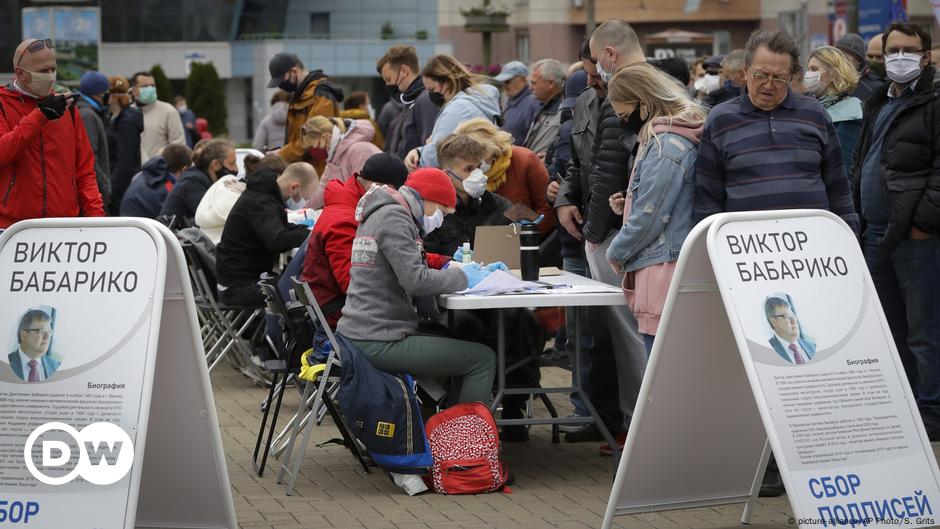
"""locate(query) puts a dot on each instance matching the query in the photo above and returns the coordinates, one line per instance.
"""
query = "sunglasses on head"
(36, 46)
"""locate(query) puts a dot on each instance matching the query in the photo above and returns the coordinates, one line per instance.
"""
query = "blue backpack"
(382, 412)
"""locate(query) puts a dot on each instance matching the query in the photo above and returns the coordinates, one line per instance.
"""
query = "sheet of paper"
(581, 289)
(500, 282)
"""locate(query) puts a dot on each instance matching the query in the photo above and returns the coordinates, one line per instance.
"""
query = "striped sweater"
(789, 158)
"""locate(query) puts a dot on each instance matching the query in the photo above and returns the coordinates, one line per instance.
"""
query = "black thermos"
(529, 247)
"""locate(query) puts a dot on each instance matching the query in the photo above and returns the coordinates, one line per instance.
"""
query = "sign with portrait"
(773, 337)
(87, 322)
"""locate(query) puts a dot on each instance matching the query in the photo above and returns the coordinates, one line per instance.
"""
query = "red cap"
(434, 185)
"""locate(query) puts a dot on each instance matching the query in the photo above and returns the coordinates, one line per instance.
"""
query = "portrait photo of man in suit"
(787, 340)
(31, 360)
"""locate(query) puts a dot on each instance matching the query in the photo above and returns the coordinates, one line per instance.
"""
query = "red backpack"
(464, 444)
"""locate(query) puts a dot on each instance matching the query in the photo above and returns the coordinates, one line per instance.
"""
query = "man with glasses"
(47, 167)
(787, 340)
(896, 181)
(770, 148)
(31, 361)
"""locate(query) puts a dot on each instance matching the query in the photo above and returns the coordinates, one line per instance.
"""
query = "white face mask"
(812, 82)
(433, 222)
(708, 83)
(371, 113)
(475, 184)
(294, 204)
(41, 82)
(605, 75)
(903, 67)
(485, 166)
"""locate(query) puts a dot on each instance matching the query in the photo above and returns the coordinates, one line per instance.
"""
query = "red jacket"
(329, 250)
(47, 168)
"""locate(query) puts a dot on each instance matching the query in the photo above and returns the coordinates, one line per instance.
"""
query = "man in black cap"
(329, 250)
(853, 46)
(312, 94)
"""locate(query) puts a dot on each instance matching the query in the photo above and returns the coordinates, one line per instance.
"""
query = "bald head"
(874, 52)
(34, 66)
(616, 38)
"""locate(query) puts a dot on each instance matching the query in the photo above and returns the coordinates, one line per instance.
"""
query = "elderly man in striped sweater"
(771, 148)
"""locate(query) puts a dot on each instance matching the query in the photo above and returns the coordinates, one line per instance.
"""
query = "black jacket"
(413, 125)
(460, 227)
(575, 181)
(186, 195)
(124, 152)
(256, 232)
(868, 85)
(614, 148)
(910, 163)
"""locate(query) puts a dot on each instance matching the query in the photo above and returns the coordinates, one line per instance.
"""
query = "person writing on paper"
(31, 361)
(460, 157)
(787, 341)
(389, 270)
(657, 209)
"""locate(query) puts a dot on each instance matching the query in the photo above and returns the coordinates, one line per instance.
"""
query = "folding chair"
(290, 465)
(225, 325)
(281, 367)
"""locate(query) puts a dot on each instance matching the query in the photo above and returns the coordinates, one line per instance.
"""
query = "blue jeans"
(648, 342)
(908, 283)
(580, 267)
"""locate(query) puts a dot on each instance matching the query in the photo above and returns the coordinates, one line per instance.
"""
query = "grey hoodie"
(481, 101)
(270, 132)
(389, 268)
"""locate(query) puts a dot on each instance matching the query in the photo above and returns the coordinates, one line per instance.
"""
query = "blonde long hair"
(498, 142)
(842, 75)
(655, 90)
(319, 126)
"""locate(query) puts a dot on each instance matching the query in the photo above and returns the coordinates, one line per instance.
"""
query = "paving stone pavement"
(562, 486)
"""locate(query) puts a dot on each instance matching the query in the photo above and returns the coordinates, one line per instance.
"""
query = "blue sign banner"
(873, 17)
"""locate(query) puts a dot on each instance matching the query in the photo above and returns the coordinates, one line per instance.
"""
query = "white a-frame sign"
(773, 337)
(106, 408)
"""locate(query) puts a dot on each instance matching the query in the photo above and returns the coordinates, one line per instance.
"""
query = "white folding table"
(557, 298)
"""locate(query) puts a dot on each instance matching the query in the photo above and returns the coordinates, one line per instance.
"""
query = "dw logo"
(105, 453)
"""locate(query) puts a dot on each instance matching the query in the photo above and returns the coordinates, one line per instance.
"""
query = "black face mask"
(225, 171)
(287, 85)
(106, 99)
(877, 68)
(437, 98)
(392, 90)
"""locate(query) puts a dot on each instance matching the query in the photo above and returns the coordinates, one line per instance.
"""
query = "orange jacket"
(47, 168)
(316, 96)
(526, 183)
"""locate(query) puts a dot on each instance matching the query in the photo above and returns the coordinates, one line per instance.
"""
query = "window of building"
(722, 43)
(320, 24)
(522, 47)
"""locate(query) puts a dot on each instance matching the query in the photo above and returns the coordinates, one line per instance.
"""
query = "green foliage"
(205, 95)
(164, 88)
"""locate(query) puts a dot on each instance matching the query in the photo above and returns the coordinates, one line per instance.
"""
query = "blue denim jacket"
(661, 212)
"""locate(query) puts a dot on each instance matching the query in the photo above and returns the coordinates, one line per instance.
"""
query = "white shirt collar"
(24, 360)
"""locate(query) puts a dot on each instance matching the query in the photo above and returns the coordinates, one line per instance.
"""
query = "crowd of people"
(620, 155)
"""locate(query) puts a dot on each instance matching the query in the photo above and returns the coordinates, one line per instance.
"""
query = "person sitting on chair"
(256, 232)
(389, 269)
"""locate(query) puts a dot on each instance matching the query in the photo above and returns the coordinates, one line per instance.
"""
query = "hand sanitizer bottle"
(467, 253)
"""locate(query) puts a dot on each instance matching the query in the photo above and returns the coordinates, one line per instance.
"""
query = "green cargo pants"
(472, 365)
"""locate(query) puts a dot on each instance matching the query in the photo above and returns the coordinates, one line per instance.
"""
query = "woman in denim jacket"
(657, 208)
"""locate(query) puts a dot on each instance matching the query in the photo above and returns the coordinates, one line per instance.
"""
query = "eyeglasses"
(894, 52)
(763, 78)
(44, 332)
(780, 317)
(36, 46)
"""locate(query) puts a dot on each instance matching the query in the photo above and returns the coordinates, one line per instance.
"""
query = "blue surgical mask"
(148, 94)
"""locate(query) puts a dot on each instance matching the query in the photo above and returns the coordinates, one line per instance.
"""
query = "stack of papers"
(500, 282)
